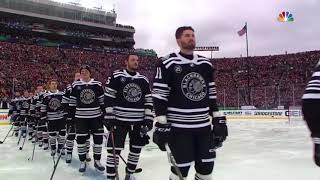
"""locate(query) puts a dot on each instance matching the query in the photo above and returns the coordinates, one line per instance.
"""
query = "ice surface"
(254, 150)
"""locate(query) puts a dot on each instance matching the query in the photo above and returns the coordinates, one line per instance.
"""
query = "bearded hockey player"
(184, 97)
(87, 107)
(52, 112)
(311, 113)
(128, 111)
(70, 123)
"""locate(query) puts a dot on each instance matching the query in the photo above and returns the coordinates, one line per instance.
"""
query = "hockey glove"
(161, 135)
(109, 123)
(147, 126)
(220, 129)
(70, 122)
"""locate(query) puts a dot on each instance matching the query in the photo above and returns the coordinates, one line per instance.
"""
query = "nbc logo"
(285, 16)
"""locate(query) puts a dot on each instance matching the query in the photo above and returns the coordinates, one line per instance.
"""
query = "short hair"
(181, 29)
(53, 80)
(131, 54)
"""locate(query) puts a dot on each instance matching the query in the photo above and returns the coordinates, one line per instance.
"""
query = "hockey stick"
(114, 154)
(54, 162)
(138, 170)
(173, 161)
(59, 157)
(24, 140)
(34, 145)
(1, 142)
(19, 138)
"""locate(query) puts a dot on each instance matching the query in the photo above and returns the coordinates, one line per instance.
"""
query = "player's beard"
(134, 67)
(188, 45)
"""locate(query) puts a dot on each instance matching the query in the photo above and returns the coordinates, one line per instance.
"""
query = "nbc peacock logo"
(285, 16)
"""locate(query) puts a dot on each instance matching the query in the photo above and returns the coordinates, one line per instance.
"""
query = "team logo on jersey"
(178, 69)
(194, 87)
(54, 104)
(132, 92)
(123, 79)
(25, 105)
(87, 96)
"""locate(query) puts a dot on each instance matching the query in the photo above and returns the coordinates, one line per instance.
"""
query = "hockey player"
(311, 113)
(37, 115)
(31, 117)
(184, 97)
(24, 105)
(42, 125)
(52, 112)
(87, 106)
(70, 123)
(14, 113)
(128, 111)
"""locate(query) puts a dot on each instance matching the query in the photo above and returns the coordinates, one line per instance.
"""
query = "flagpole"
(248, 68)
(247, 40)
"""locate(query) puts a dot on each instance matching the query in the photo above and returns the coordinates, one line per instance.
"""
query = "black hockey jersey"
(311, 104)
(13, 106)
(66, 96)
(38, 104)
(24, 104)
(128, 97)
(312, 90)
(33, 105)
(51, 108)
(86, 99)
(184, 91)
(66, 100)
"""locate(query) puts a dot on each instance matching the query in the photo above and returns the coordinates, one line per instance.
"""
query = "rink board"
(262, 114)
(4, 118)
(230, 114)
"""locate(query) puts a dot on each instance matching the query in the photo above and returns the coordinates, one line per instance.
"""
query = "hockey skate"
(130, 177)
(46, 146)
(83, 166)
(98, 166)
(69, 158)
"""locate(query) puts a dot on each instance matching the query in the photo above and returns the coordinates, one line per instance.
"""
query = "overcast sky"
(216, 23)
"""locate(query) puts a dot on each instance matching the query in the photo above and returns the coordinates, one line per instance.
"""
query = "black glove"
(146, 126)
(109, 123)
(220, 130)
(161, 135)
(70, 122)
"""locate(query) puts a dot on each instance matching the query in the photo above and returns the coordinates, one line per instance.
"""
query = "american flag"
(243, 31)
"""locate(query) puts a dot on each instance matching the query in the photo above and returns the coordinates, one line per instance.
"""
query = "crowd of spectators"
(262, 81)
(26, 66)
